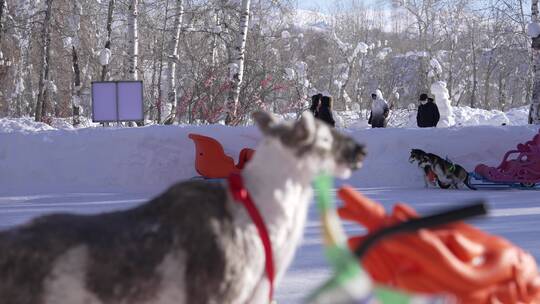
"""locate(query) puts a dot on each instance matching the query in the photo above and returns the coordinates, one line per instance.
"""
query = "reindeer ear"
(265, 121)
(304, 129)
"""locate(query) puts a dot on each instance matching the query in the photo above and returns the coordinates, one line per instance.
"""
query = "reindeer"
(192, 244)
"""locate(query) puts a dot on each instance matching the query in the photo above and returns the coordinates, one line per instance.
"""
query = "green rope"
(349, 280)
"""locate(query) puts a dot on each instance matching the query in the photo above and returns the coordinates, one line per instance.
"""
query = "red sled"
(519, 168)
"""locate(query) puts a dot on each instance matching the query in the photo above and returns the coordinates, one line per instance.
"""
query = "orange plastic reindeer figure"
(456, 259)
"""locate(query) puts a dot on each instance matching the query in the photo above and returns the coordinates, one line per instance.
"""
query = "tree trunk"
(76, 90)
(475, 70)
(171, 66)
(155, 105)
(159, 108)
(41, 104)
(502, 92)
(2, 4)
(110, 13)
(236, 65)
(4, 110)
(28, 98)
(534, 111)
(487, 88)
(133, 39)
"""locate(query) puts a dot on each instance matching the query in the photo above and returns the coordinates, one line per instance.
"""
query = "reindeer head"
(313, 144)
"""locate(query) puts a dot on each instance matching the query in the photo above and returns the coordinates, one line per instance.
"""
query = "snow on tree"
(285, 35)
(442, 100)
(236, 66)
(346, 69)
(290, 73)
(436, 68)
(105, 54)
(105, 57)
(533, 30)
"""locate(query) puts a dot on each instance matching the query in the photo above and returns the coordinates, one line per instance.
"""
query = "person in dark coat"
(315, 103)
(428, 113)
(325, 111)
(378, 117)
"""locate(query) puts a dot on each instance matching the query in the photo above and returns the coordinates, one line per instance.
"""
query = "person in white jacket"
(378, 117)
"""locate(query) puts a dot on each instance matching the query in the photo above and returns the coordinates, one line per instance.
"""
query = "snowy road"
(515, 214)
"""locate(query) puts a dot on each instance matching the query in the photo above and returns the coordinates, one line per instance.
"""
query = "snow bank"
(149, 159)
(131, 160)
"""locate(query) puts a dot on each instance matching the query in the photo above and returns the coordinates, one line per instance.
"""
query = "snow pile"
(466, 116)
(29, 125)
(463, 116)
(149, 159)
(22, 125)
(442, 99)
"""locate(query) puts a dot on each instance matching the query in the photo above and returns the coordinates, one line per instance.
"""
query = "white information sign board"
(117, 101)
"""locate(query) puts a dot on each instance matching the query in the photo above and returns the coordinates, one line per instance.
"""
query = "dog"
(419, 156)
(192, 244)
(448, 174)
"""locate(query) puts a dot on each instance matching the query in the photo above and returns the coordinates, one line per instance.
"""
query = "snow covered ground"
(514, 215)
(47, 169)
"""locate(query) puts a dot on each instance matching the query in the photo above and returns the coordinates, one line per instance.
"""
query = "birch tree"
(133, 40)
(105, 55)
(41, 104)
(2, 4)
(173, 58)
(534, 111)
(236, 64)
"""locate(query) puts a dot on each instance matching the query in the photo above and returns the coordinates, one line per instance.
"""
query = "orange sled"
(457, 259)
(211, 160)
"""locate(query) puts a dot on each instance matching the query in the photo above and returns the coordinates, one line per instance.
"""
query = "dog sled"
(520, 168)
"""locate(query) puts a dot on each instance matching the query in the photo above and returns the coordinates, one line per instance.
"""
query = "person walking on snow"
(428, 113)
(378, 117)
(325, 111)
(315, 104)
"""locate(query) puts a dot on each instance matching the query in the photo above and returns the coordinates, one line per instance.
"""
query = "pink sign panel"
(117, 101)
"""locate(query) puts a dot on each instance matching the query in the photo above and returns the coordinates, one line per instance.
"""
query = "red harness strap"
(241, 195)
